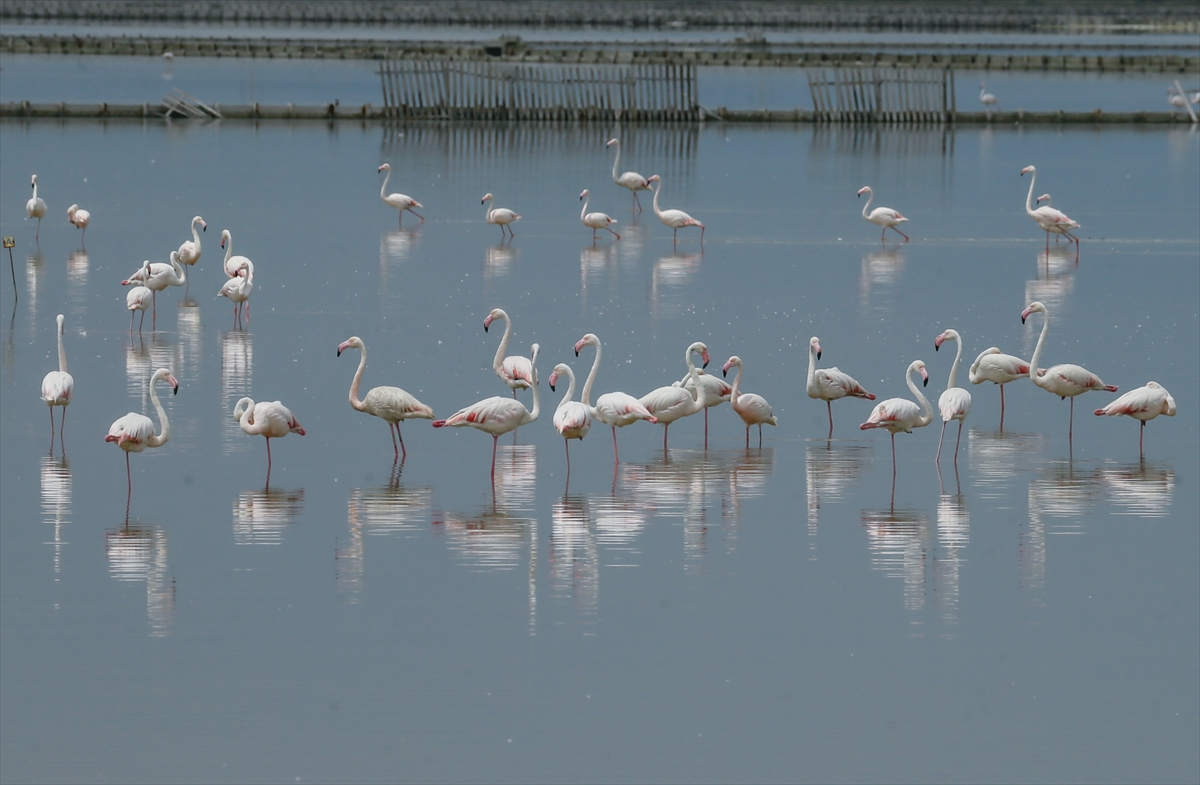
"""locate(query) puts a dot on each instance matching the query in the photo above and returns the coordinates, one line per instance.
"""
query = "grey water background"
(719, 615)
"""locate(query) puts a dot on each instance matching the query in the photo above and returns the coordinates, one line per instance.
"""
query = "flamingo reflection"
(1141, 489)
(574, 555)
(56, 501)
(831, 472)
(997, 456)
(671, 274)
(879, 269)
(953, 536)
(898, 543)
(138, 552)
(237, 379)
(1053, 285)
(262, 517)
(395, 248)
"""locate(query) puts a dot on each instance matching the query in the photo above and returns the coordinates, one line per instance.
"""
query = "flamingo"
(138, 299)
(716, 392)
(614, 409)
(58, 387)
(1065, 381)
(157, 277)
(753, 409)
(515, 371)
(80, 219)
(631, 180)
(987, 99)
(669, 404)
(135, 432)
(571, 419)
(497, 415)
(882, 216)
(36, 208)
(1050, 219)
(189, 250)
(232, 263)
(595, 221)
(994, 366)
(1177, 100)
(238, 290)
(390, 404)
(1144, 403)
(271, 420)
(501, 216)
(954, 402)
(830, 384)
(901, 414)
(676, 219)
(400, 201)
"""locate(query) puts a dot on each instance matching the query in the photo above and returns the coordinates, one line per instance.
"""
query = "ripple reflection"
(77, 278)
(386, 510)
(953, 536)
(1141, 489)
(56, 502)
(574, 555)
(831, 469)
(672, 273)
(898, 543)
(262, 517)
(880, 269)
(138, 552)
(997, 456)
(237, 377)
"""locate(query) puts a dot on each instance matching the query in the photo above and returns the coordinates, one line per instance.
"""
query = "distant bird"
(1065, 381)
(1049, 218)
(676, 219)
(79, 219)
(271, 420)
(1177, 100)
(497, 415)
(390, 404)
(572, 419)
(882, 216)
(238, 290)
(954, 402)
(138, 299)
(36, 208)
(400, 201)
(595, 221)
(58, 387)
(515, 371)
(135, 432)
(753, 409)
(987, 99)
(631, 180)
(830, 384)
(1144, 403)
(716, 392)
(501, 216)
(232, 263)
(994, 366)
(189, 250)
(898, 415)
(614, 409)
(672, 403)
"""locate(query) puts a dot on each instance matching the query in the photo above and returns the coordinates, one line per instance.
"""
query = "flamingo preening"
(79, 218)
(189, 250)
(135, 432)
(390, 404)
(572, 419)
(1144, 403)
(270, 419)
(515, 371)
(900, 414)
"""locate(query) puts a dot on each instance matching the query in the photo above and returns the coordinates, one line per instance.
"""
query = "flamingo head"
(1033, 308)
(700, 349)
(60, 321)
(295, 427)
(243, 406)
(920, 366)
(33, 181)
(485, 198)
(384, 168)
(1044, 198)
(611, 142)
(493, 316)
(225, 237)
(582, 195)
(948, 335)
(1028, 169)
(199, 220)
(732, 361)
(866, 189)
(561, 368)
(350, 343)
(814, 346)
(588, 340)
(654, 179)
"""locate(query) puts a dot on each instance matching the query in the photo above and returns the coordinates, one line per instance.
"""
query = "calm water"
(782, 613)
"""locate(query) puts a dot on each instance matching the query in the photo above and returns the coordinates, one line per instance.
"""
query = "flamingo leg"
(893, 463)
(829, 406)
(62, 427)
(637, 202)
(403, 449)
(567, 445)
(141, 321)
(760, 436)
(268, 460)
(51, 408)
(938, 459)
(748, 435)
(414, 212)
(1002, 407)
(128, 483)
(706, 428)
(666, 430)
(392, 432)
(614, 234)
(956, 443)
(495, 441)
(154, 310)
(1141, 436)
(131, 322)
(1071, 421)
(616, 457)
(897, 231)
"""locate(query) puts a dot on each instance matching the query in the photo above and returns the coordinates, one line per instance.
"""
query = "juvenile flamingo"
(572, 419)
(401, 202)
(716, 392)
(238, 290)
(830, 384)
(614, 409)
(1065, 381)
(671, 403)
(138, 299)
(515, 371)
(271, 420)
(189, 250)
(900, 414)
(954, 402)
(1048, 218)
(994, 366)
(501, 216)
(232, 263)
(58, 387)
(631, 180)
(135, 432)
(390, 404)
(595, 221)
(882, 216)
(79, 218)
(36, 208)
(1144, 403)
(753, 409)
(676, 219)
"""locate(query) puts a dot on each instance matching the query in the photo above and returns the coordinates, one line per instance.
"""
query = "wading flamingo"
(882, 216)
(830, 384)
(36, 208)
(595, 221)
(670, 403)
(138, 299)
(135, 432)
(157, 277)
(1144, 403)
(901, 414)
(987, 99)
(515, 371)
(390, 404)
(400, 201)
(501, 216)
(79, 218)
(1065, 381)
(631, 180)
(1048, 218)
(614, 409)
(57, 388)
(238, 290)
(1061, 223)
(753, 409)
(497, 415)
(271, 420)
(994, 366)
(954, 402)
(716, 392)
(189, 250)
(571, 419)
(232, 263)
(676, 219)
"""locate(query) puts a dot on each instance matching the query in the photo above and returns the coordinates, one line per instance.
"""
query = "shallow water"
(783, 613)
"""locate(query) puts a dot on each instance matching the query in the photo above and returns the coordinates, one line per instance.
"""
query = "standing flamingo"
(79, 218)
(595, 221)
(501, 216)
(631, 180)
(400, 201)
(1144, 403)
(901, 414)
(669, 404)
(497, 415)
(232, 263)
(1061, 224)
(1048, 218)
(830, 384)
(189, 250)
(882, 216)
(135, 432)
(271, 420)
(157, 277)
(954, 402)
(58, 387)
(1065, 381)
(987, 99)
(238, 290)
(753, 409)
(36, 208)
(994, 366)
(571, 419)
(676, 219)
(515, 371)
(614, 409)
(390, 404)
(716, 391)
(138, 299)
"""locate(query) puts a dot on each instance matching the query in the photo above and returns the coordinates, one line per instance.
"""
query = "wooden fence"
(882, 95)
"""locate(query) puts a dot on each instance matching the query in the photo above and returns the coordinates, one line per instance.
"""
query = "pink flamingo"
(501, 216)
(189, 250)
(994, 366)
(954, 402)
(572, 419)
(400, 201)
(238, 290)
(753, 409)
(497, 415)
(1050, 219)
(156, 277)
(135, 432)
(515, 371)
(232, 263)
(830, 384)
(671, 403)
(1065, 381)
(882, 216)
(138, 299)
(614, 409)
(676, 219)
(58, 387)
(1144, 403)
(900, 414)
(631, 180)
(716, 392)
(271, 420)
(595, 221)
(390, 404)
(36, 208)
(79, 218)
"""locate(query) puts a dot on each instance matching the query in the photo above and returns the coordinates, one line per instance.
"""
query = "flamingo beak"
(553, 379)
(1025, 314)
(704, 356)
(487, 323)
(174, 385)
(937, 344)
(925, 378)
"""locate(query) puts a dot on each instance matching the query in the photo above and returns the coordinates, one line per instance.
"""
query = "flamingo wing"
(393, 404)
(572, 420)
(834, 384)
(131, 432)
(894, 414)
(493, 415)
(57, 387)
(517, 372)
(754, 409)
(954, 404)
(620, 409)
(1144, 403)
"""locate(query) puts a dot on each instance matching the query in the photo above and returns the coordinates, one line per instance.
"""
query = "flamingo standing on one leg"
(1049, 218)
(515, 371)
(79, 218)
(595, 221)
(138, 299)
(572, 419)
(501, 216)
(390, 404)
(954, 402)
(1144, 403)
(830, 384)
(753, 409)
(157, 277)
(716, 391)
(901, 414)
(1065, 381)
(631, 180)
(189, 250)
(994, 366)
(271, 420)
(670, 403)
(882, 216)
(676, 219)
(36, 208)
(614, 409)
(135, 432)
(57, 389)
(401, 202)
(238, 290)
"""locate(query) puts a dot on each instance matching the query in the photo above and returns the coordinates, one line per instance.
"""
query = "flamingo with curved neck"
(898, 415)
(882, 216)
(271, 420)
(614, 409)
(753, 409)
(676, 219)
(671, 403)
(571, 419)
(135, 432)
(189, 250)
(1050, 219)
(830, 384)
(399, 201)
(501, 216)
(595, 221)
(390, 404)
(233, 263)
(631, 180)
(954, 402)
(515, 371)
(238, 290)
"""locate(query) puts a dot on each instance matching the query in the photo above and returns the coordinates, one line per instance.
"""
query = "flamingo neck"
(537, 400)
(164, 433)
(925, 405)
(870, 198)
(657, 188)
(195, 237)
(362, 366)
(737, 386)
(246, 420)
(1029, 196)
(62, 351)
(616, 161)
(954, 368)
(487, 211)
(228, 251)
(570, 389)
(583, 212)
(1037, 350)
(498, 362)
(586, 397)
(383, 188)
(697, 393)
(812, 370)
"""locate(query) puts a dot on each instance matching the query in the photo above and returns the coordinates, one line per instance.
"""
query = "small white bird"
(987, 99)
(631, 180)
(882, 216)
(401, 202)
(753, 409)
(501, 216)
(595, 221)
(58, 387)
(36, 208)
(1144, 403)
(79, 219)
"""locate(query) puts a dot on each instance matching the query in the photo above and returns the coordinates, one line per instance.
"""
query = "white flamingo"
(572, 419)
(156, 277)
(994, 366)
(1048, 218)
(58, 387)
(676, 219)
(715, 389)
(501, 216)
(631, 180)
(135, 432)
(401, 202)
(1061, 225)
(79, 218)
(138, 299)
(671, 403)
(882, 216)
(954, 402)
(987, 99)
(36, 208)
(900, 414)
(830, 384)
(1144, 403)
(271, 420)
(390, 404)
(189, 250)
(753, 409)
(595, 221)
(515, 371)
(232, 263)
(614, 409)
(238, 290)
